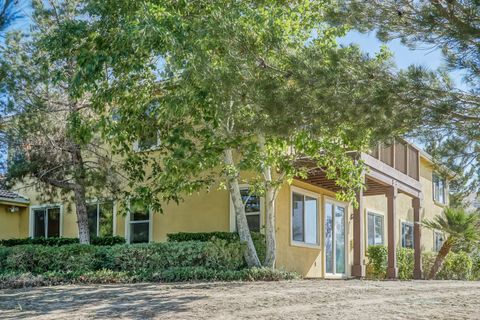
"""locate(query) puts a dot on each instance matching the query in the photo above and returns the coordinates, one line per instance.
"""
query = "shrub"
(107, 241)
(476, 265)
(405, 263)
(20, 280)
(377, 262)
(218, 254)
(257, 237)
(202, 236)
(98, 241)
(457, 266)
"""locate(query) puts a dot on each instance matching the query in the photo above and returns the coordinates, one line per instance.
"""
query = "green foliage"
(476, 265)
(405, 263)
(202, 236)
(279, 74)
(22, 280)
(377, 262)
(450, 116)
(54, 241)
(460, 226)
(106, 240)
(378, 259)
(38, 259)
(457, 266)
(213, 260)
(257, 237)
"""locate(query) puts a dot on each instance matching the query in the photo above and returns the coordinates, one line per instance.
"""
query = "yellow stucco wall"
(12, 225)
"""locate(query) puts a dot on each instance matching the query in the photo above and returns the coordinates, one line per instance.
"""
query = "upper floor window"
(439, 189)
(148, 140)
(100, 218)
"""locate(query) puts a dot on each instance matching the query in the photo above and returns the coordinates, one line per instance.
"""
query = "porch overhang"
(379, 177)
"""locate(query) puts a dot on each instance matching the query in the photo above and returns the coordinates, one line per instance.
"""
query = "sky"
(403, 56)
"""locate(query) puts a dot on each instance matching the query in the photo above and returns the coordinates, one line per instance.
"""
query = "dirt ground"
(303, 299)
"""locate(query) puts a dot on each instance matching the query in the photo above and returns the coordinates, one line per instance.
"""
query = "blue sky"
(403, 56)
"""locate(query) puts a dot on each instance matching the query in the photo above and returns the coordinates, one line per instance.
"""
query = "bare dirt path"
(307, 299)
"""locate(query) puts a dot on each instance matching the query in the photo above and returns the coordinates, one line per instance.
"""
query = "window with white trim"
(304, 218)
(438, 240)
(139, 222)
(46, 221)
(100, 218)
(439, 189)
(407, 235)
(375, 223)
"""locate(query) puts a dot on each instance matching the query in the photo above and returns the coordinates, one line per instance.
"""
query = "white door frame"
(336, 203)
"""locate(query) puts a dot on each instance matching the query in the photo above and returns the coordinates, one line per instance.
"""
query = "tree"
(451, 121)
(53, 136)
(235, 92)
(8, 13)
(460, 227)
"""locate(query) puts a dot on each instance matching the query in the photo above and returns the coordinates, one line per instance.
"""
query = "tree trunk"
(269, 210)
(82, 217)
(271, 245)
(80, 198)
(251, 256)
(444, 250)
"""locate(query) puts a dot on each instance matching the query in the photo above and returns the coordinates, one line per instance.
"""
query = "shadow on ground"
(140, 301)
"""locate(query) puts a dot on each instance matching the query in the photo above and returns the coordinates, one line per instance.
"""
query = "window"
(100, 219)
(148, 135)
(375, 229)
(46, 222)
(437, 241)
(439, 189)
(138, 223)
(407, 235)
(148, 140)
(252, 209)
(304, 219)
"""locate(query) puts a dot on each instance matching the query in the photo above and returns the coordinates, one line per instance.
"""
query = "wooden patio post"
(417, 235)
(358, 268)
(392, 270)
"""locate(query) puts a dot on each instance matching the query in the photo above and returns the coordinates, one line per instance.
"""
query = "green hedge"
(257, 237)
(218, 254)
(34, 265)
(20, 280)
(98, 241)
(457, 266)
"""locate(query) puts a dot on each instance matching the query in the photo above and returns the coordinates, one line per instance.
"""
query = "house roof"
(10, 196)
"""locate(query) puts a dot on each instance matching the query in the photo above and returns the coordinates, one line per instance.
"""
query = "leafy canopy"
(265, 79)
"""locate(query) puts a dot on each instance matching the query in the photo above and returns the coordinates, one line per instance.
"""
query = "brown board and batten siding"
(399, 155)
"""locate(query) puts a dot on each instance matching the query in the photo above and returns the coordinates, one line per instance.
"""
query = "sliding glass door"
(335, 238)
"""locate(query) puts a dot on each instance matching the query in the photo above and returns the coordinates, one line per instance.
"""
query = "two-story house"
(317, 235)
